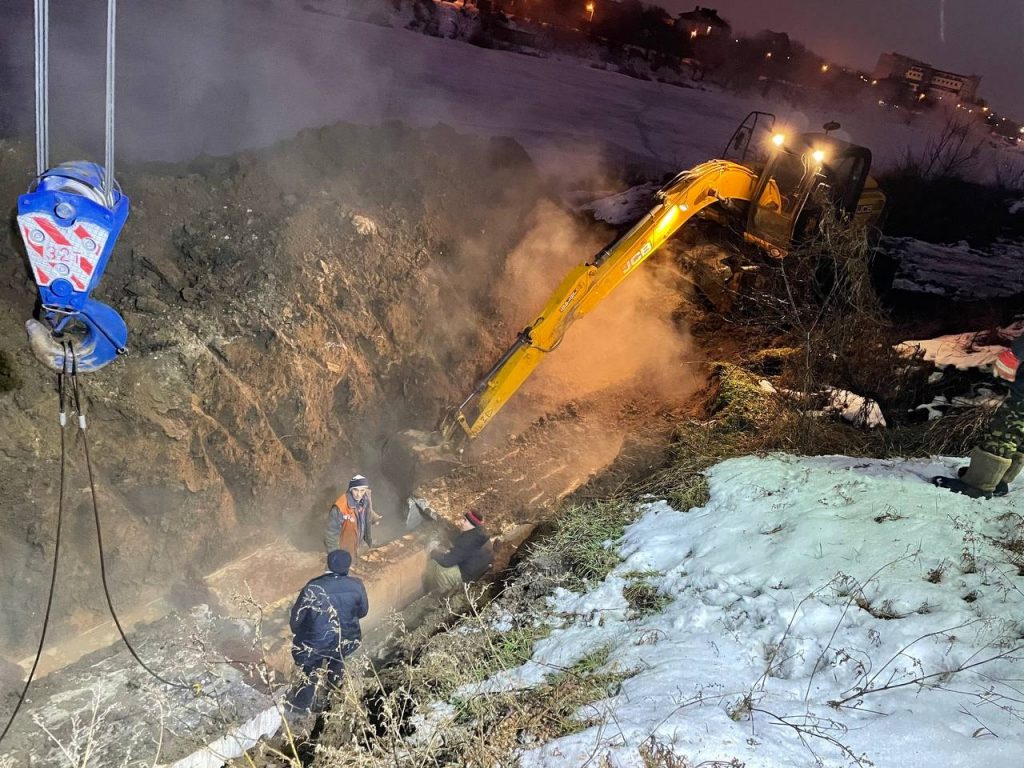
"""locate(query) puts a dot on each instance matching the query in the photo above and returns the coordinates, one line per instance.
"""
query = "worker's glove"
(377, 518)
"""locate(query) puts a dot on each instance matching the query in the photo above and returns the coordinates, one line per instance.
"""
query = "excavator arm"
(588, 284)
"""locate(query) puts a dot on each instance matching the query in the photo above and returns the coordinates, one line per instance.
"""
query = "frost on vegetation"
(364, 226)
(856, 409)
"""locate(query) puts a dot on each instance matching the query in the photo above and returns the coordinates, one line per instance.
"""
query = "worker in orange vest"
(351, 518)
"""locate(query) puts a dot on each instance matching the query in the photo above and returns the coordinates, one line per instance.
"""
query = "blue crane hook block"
(70, 226)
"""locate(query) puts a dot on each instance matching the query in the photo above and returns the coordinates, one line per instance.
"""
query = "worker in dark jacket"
(997, 459)
(467, 560)
(325, 622)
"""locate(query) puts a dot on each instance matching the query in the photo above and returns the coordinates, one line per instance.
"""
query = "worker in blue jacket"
(325, 622)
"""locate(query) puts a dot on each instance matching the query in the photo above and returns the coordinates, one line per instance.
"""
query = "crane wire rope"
(61, 394)
(41, 10)
(77, 399)
(42, 74)
(108, 159)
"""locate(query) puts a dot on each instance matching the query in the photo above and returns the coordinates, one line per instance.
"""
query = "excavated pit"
(291, 311)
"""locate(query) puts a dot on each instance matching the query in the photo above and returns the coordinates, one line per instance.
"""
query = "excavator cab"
(750, 143)
(801, 179)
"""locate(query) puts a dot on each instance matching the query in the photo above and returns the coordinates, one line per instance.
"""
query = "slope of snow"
(199, 77)
(957, 271)
(826, 608)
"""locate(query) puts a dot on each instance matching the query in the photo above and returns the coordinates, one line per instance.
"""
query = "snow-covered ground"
(214, 77)
(957, 270)
(821, 611)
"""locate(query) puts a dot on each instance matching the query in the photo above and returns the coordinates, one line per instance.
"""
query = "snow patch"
(821, 610)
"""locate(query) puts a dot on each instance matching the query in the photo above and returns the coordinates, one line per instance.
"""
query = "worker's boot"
(1003, 486)
(980, 479)
(1016, 465)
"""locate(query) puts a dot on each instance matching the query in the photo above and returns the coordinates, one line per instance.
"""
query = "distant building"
(775, 44)
(702, 22)
(923, 78)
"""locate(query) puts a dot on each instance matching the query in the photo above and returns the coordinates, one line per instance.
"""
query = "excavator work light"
(818, 156)
(779, 139)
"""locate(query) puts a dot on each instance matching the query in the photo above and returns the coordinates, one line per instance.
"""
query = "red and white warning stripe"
(57, 252)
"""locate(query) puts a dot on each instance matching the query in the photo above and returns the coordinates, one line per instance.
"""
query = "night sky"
(980, 37)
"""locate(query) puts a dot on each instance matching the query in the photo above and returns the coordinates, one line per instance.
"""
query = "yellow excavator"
(770, 187)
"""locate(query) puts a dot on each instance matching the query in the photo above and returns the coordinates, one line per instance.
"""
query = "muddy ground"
(290, 311)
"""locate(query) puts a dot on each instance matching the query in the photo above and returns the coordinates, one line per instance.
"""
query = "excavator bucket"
(413, 458)
(430, 453)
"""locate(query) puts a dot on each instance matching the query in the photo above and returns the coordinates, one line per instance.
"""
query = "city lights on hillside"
(824, 67)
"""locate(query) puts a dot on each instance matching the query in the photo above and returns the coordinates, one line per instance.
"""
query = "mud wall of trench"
(288, 309)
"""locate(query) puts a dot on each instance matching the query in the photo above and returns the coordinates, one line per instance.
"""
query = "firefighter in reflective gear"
(351, 519)
(998, 457)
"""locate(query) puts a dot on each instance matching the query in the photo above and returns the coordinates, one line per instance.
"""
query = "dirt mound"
(287, 308)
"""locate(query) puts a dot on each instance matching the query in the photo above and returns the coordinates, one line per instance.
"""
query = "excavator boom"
(588, 284)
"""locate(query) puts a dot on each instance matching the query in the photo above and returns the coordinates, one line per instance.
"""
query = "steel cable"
(99, 532)
(42, 74)
(56, 550)
(108, 180)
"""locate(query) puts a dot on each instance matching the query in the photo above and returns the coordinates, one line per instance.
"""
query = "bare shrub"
(956, 433)
(1010, 175)
(952, 152)
(820, 299)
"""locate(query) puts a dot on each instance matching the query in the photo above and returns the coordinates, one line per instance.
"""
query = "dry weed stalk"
(82, 746)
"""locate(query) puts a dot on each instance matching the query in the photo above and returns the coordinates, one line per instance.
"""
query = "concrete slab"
(59, 655)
